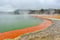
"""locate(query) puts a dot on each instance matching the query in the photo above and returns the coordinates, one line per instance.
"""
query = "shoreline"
(14, 34)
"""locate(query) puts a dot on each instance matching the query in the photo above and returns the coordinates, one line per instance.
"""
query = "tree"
(16, 12)
(42, 10)
(32, 11)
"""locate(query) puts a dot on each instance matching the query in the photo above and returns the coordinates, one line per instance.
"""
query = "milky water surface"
(14, 22)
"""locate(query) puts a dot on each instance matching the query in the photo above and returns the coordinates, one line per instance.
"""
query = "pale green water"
(14, 22)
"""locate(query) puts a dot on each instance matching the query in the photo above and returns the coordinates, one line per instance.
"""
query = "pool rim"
(46, 20)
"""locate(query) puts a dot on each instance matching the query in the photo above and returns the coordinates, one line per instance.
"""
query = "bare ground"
(51, 33)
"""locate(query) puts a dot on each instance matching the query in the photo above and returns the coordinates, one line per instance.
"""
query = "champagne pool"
(16, 22)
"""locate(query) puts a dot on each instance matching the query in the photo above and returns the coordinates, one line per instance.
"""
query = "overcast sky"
(28, 4)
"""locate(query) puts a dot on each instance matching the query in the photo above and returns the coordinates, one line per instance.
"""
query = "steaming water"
(15, 22)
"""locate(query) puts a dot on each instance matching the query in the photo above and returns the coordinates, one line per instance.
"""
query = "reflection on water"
(14, 22)
(13, 18)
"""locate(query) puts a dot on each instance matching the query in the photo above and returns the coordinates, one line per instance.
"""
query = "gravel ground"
(51, 33)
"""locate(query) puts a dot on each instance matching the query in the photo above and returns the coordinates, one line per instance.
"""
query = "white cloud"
(28, 4)
(6, 8)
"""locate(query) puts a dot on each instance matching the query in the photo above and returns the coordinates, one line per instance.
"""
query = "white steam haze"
(10, 5)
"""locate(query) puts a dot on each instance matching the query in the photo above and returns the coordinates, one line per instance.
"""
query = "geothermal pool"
(16, 22)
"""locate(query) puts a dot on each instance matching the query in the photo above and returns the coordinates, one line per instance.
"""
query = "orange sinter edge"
(16, 33)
